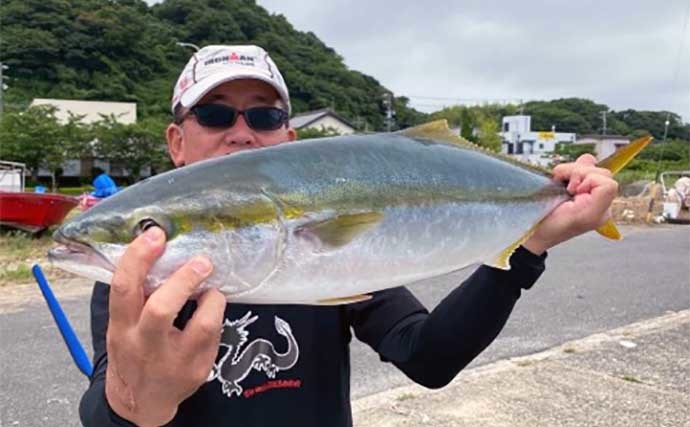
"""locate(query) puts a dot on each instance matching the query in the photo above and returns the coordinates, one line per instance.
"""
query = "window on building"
(506, 127)
(541, 146)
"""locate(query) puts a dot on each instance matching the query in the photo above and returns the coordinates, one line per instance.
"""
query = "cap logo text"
(234, 58)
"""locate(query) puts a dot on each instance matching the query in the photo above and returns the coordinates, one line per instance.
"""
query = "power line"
(464, 100)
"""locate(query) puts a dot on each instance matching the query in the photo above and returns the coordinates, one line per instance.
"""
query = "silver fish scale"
(442, 208)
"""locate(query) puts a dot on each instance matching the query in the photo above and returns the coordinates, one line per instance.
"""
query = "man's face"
(190, 142)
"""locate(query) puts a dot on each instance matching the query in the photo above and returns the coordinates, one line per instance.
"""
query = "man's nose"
(240, 134)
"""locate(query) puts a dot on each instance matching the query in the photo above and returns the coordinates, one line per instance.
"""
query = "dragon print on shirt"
(237, 362)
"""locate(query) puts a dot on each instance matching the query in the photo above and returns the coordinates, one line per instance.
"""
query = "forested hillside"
(124, 50)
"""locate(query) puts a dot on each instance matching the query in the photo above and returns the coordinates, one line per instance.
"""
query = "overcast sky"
(623, 53)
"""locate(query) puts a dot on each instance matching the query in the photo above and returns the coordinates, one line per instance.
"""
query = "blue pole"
(73, 345)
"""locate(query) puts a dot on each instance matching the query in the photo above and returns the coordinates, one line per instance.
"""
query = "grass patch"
(69, 191)
(18, 245)
(21, 273)
(569, 350)
(75, 191)
(18, 252)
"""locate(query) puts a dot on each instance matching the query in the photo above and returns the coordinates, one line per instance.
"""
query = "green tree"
(32, 137)
(487, 133)
(134, 146)
(405, 116)
(653, 122)
(469, 119)
(321, 132)
(71, 143)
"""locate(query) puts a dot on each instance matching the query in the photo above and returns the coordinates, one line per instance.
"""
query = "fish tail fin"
(610, 231)
(615, 163)
(618, 160)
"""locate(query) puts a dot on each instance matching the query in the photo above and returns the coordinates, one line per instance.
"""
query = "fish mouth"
(71, 251)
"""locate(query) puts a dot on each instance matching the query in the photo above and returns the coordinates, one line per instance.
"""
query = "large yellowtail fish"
(326, 221)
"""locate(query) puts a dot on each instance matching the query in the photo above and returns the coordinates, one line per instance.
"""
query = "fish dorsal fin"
(344, 300)
(341, 230)
(438, 130)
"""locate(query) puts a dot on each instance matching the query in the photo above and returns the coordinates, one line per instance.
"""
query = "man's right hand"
(152, 365)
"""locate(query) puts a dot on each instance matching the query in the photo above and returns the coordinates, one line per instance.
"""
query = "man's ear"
(174, 134)
(292, 134)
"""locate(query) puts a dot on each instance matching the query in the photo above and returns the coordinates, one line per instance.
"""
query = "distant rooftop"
(301, 120)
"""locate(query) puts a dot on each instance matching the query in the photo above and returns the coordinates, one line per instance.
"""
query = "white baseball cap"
(214, 65)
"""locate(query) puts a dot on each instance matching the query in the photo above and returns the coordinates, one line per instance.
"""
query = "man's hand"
(593, 190)
(152, 365)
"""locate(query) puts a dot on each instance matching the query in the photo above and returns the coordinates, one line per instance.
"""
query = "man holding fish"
(235, 333)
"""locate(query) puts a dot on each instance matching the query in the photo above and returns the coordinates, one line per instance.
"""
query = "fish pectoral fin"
(344, 300)
(610, 231)
(341, 230)
(502, 260)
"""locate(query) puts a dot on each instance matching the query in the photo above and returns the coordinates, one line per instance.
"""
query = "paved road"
(637, 375)
(591, 285)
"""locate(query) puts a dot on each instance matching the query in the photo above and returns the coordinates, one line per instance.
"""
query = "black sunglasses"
(224, 116)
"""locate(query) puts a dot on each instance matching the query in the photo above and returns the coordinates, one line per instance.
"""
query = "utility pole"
(2, 86)
(388, 103)
(603, 114)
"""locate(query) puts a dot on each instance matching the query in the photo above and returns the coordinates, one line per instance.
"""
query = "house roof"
(302, 120)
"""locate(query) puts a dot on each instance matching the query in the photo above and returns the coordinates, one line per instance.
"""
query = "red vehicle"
(32, 212)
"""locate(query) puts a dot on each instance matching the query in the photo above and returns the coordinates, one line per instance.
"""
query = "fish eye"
(145, 224)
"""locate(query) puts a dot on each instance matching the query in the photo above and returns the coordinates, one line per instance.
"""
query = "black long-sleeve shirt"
(290, 364)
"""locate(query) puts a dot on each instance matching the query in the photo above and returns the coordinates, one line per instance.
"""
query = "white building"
(520, 141)
(91, 112)
(322, 119)
(604, 145)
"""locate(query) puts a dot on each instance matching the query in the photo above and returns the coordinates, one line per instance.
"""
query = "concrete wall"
(125, 112)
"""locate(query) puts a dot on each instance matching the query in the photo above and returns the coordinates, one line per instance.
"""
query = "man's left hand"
(593, 189)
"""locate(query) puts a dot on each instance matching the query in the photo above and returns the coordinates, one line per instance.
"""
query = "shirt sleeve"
(94, 410)
(432, 348)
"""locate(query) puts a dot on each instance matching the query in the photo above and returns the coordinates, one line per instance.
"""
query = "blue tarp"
(104, 186)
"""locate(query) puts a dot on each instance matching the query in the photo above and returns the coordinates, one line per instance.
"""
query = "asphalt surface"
(637, 375)
(591, 285)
